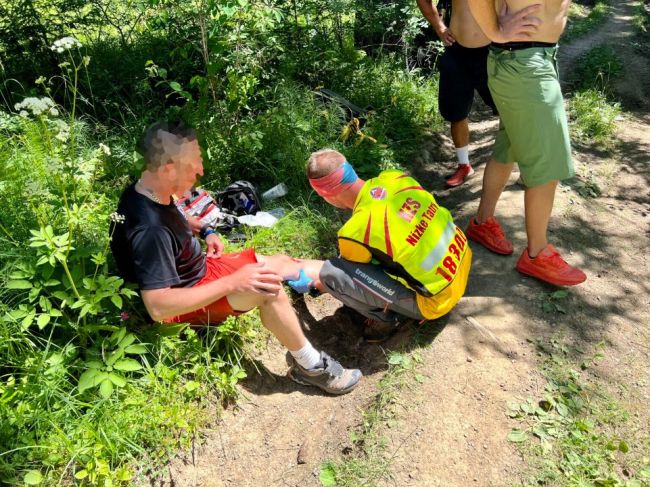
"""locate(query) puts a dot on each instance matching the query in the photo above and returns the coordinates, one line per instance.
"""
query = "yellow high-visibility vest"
(398, 222)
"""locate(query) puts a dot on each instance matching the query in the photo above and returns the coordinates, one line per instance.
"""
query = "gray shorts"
(367, 289)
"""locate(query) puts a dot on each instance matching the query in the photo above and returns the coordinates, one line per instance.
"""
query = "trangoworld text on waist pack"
(241, 198)
(398, 223)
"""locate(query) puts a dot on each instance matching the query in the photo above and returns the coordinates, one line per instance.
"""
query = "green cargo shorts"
(533, 129)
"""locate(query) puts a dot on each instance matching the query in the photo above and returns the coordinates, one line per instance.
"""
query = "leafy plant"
(551, 301)
(641, 18)
(106, 363)
(570, 427)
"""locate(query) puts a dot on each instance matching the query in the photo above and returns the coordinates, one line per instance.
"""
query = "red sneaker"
(463, 172)
(550, 267)
(490, 235)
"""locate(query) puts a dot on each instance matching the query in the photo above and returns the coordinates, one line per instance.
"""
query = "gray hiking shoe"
(331, 377)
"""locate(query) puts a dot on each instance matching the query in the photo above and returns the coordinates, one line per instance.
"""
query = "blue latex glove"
(302, 284)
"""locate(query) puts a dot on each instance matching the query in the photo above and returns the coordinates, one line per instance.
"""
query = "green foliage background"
(90, 393)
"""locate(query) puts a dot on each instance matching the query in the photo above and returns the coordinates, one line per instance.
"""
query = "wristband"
(205, 231)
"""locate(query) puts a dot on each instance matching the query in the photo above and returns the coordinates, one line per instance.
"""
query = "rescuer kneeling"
(400, 253)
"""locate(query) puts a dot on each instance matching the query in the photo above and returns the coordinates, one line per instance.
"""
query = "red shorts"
(219, 310)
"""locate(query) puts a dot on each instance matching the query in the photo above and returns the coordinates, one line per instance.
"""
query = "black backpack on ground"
(240, 198)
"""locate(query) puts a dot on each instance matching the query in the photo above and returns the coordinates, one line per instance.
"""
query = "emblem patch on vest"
(378, 193)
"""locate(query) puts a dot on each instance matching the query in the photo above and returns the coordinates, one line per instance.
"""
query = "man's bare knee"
(248, 301)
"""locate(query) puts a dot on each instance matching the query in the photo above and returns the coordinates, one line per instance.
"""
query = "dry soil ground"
(451, 429)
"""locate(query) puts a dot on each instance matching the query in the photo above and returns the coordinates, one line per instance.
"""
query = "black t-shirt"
(154, 246)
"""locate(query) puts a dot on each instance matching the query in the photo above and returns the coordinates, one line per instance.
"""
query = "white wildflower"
(23, 114)
(37, 106)
(65, 44)
(105, 149)
(63, 130)
(116, 217)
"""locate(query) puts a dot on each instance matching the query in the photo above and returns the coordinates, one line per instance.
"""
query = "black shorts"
(462, 70)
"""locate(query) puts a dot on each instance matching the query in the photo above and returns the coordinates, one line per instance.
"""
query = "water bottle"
(275, 192)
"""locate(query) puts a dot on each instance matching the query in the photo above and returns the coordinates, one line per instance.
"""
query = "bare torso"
(553, 15)
(463, 26)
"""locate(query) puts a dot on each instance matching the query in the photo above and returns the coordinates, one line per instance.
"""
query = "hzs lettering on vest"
(414, 237)
(409, 209)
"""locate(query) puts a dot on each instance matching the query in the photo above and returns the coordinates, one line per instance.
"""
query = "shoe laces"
(332, 367)
(556, 259)
(495, 228)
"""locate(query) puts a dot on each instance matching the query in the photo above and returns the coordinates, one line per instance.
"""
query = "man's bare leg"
(460, 136)
(460, 133)
(484, 228)
(277, 316)
(289, 267)
(495, 178)
(307, 365)
(538, 204)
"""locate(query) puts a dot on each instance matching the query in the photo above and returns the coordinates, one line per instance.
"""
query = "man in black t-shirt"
(154, 246)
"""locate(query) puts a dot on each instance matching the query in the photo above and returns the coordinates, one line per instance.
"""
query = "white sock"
(463, 155)
(307, 357)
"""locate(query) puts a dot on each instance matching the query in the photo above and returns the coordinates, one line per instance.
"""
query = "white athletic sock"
(463, 155)
(308, 357)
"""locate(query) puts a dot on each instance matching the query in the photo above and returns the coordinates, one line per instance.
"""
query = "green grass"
(62, 434)
(574, 433)
(641, 20)
(584, 19)
(592, 110)
(592, 117)
(598, 68)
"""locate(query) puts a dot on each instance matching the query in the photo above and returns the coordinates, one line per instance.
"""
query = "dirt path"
(615, 31)
(451, 429)
(633, 87)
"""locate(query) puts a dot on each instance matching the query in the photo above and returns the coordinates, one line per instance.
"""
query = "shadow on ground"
(340, 335)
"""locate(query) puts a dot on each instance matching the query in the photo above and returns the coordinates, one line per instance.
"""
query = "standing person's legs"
(538, 204)
(460, 137)
(455, 97)
(525, 86)
(484, 227)
(460, 133)
(495, 177)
